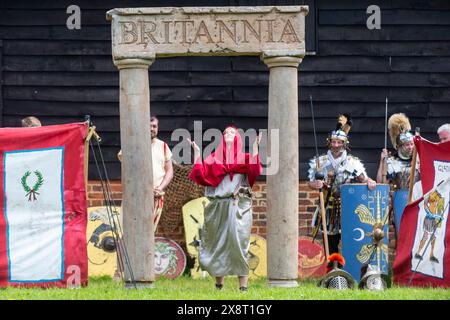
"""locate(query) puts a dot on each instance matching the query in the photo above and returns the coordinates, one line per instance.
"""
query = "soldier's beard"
(336, 152)
(405, 155)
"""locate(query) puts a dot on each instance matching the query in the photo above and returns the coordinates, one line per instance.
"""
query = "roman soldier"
(330, 171)
(399, 164)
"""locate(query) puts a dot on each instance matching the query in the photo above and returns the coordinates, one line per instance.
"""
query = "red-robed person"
(228, 175)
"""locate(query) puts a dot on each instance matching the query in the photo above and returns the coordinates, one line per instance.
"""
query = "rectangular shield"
(399, 202)
(365, 220)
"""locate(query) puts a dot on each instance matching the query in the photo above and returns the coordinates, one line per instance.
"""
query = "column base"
(139, 285)
(282, 283)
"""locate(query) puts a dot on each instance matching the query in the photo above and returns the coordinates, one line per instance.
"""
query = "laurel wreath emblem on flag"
(32, 192)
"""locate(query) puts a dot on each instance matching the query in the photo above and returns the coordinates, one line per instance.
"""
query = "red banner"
(423, 247)
(43, 206)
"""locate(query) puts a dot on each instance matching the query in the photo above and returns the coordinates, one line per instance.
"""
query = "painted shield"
(311, 258)
(257, 257)
(170, 260)
(365, 221)
(193, 221)
(399, 201)
(101, 248)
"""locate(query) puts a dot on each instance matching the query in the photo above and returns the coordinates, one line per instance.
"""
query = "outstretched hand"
(193, 145)
(256, 144)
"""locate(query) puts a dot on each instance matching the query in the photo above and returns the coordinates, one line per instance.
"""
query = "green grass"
(185, 288)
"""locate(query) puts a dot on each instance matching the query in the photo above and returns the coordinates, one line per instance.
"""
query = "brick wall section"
(307, 199)
(306, 207)
(95, 193)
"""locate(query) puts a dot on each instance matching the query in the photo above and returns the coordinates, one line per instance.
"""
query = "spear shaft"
(385, 124)
(319, 176)
(384, 169)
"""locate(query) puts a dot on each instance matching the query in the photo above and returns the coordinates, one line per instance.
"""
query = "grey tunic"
(225, 236)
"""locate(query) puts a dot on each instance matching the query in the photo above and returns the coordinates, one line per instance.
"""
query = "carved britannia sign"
(158, 32)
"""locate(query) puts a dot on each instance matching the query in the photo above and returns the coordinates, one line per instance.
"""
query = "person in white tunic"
(162, 169)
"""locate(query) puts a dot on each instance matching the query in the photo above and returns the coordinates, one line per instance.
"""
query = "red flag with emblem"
(43, 206)
(423, 246)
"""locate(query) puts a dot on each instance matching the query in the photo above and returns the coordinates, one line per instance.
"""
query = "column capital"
(134, 59)
(133, 63)
(285, 61)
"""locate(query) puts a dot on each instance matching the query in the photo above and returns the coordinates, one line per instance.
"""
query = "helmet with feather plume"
(343, 127)
(336, 277)
(399, 130)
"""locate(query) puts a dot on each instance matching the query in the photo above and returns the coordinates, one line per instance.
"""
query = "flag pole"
(384, 163)
(90, 132)
(412, 174)
(86, 153)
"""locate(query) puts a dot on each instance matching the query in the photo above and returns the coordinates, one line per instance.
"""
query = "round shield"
(193, 221)
(101, 246)
(257, 256)
(311, 258)
(170, 259)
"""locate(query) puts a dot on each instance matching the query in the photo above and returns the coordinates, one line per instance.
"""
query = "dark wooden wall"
(60, 75)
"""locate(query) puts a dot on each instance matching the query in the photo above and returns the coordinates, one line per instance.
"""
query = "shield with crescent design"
(365, 222)
(399, 202)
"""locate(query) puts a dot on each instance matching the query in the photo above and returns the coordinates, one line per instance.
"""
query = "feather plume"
(337, 257)
(397, 124)
(344, 123)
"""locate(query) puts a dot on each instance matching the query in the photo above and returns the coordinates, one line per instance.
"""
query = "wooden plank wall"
(60, 75)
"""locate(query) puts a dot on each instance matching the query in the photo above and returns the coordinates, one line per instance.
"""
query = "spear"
(384, 164)
(412, 174)
(319, 176)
